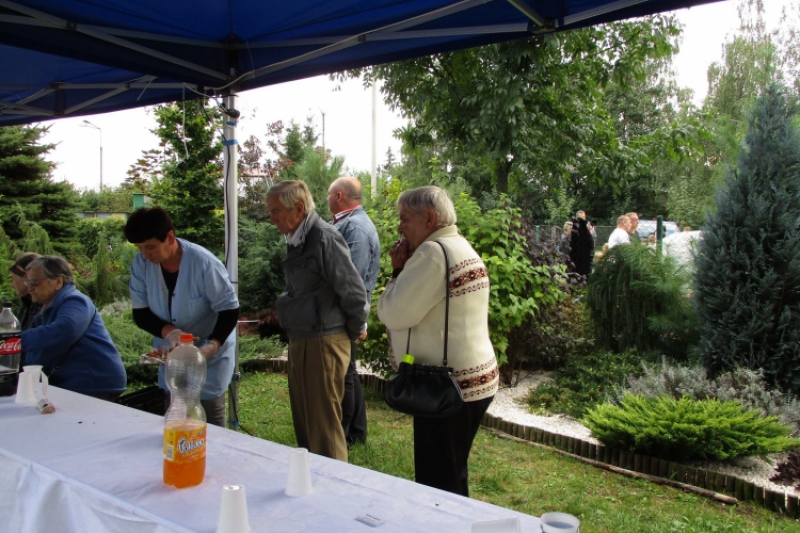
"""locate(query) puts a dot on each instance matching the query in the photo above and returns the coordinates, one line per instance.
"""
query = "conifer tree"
(191, 187)
(26, 187)
(748, 265)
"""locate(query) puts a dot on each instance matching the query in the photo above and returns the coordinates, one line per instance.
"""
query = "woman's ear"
(430, 220)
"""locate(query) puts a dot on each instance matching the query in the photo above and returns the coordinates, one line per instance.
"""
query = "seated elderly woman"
(68, 337)
(414, 304)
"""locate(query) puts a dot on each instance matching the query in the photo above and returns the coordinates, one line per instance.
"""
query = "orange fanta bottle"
(185, 431)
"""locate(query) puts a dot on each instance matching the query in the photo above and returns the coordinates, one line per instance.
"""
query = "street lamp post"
(90, 125)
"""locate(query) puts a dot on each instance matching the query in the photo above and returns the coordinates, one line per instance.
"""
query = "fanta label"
(184, 441)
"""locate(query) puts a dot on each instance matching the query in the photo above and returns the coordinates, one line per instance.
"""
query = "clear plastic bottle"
(185, 421)
(10, 351)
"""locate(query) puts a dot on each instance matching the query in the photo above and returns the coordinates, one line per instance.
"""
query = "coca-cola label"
(10, 346)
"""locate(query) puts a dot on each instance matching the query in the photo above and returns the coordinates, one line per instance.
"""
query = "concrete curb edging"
(708, 480)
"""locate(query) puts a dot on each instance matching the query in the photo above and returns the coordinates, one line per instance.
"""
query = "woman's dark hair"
(21, 264)
(54, 266)
(148, 223)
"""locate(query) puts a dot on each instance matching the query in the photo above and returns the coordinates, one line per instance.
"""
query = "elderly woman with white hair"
(413, 309)
(68, 337)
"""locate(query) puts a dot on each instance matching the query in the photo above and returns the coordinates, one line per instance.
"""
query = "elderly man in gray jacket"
(324, 309)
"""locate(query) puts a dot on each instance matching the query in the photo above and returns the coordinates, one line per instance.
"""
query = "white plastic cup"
(559, 523)
(299, 479)
(233, 516)
(25, 391)
(38, 381)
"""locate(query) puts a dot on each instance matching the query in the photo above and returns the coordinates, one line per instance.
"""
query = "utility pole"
(374, 173)
(94, 126)
(324, 153)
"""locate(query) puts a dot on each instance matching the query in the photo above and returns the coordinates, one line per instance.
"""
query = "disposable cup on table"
(38, 380)
(506, 525)
(298, 482)
(233, 516)
(25, 390)
(559, 523)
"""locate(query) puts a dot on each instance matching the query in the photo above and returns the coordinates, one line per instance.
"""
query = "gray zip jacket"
(324, 293)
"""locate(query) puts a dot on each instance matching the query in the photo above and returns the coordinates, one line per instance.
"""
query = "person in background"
(581, 214)
(564, 239)
(344, 201)
(634, 218)
(68, 337)
(179, 287)
(622, 233)
(414, 304)
(581, 247)
(28, 309)
(651, 240)
(324, 310)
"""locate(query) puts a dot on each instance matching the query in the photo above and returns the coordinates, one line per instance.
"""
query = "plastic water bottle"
(185, 435)
(10, 351)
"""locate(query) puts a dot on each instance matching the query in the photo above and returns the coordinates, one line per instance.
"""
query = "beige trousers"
(316, 370)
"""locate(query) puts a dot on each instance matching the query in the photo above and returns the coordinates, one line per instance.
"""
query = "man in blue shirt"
(178, 287)
(344, 200)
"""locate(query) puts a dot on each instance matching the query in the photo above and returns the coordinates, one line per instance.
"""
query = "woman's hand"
(399, 253)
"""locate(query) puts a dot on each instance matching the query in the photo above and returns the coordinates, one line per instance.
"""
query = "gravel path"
(509, 404)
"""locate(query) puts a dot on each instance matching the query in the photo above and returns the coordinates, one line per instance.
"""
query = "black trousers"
(354, 409)
(442, 446)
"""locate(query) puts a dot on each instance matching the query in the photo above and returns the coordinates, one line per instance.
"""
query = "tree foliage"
(528, 115)
(748, 264)
(27, 188)
(190, 189)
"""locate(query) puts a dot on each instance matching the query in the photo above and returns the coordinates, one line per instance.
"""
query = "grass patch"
(520, 477)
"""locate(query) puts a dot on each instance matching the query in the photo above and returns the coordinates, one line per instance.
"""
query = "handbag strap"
(73, 345)
(446, 304)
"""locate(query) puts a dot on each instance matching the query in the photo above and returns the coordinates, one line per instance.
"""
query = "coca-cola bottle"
(9, 351)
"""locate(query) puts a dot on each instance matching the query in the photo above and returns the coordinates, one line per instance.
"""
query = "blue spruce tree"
(748, 264)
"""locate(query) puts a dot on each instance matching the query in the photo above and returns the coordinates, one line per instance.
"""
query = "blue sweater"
(94, 365)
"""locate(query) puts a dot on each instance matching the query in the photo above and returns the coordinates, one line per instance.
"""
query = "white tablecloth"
(95, 466)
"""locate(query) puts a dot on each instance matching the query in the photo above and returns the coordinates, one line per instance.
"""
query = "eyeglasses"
(34, 282)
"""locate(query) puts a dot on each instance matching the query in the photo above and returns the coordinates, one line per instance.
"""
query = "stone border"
(742, 490)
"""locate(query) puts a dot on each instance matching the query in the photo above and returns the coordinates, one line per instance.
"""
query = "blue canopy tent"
(63, 58)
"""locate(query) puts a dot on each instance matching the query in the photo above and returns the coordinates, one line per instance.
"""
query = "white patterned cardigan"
(415, 299)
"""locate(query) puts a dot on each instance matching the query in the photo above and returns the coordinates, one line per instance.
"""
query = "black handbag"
(425, 390)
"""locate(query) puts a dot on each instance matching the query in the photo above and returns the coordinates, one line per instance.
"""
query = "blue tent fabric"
(80, 57)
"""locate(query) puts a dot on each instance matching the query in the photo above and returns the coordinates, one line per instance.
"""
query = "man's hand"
(361, 337)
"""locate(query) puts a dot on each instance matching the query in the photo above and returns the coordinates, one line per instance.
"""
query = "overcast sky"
(348, 112)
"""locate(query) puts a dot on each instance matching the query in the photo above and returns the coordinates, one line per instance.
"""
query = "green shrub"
(252, 347)
(638, 300)
(748, 387)
(583, 382)
(687, 429)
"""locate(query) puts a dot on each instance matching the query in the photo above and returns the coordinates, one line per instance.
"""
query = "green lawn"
(521, 477)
